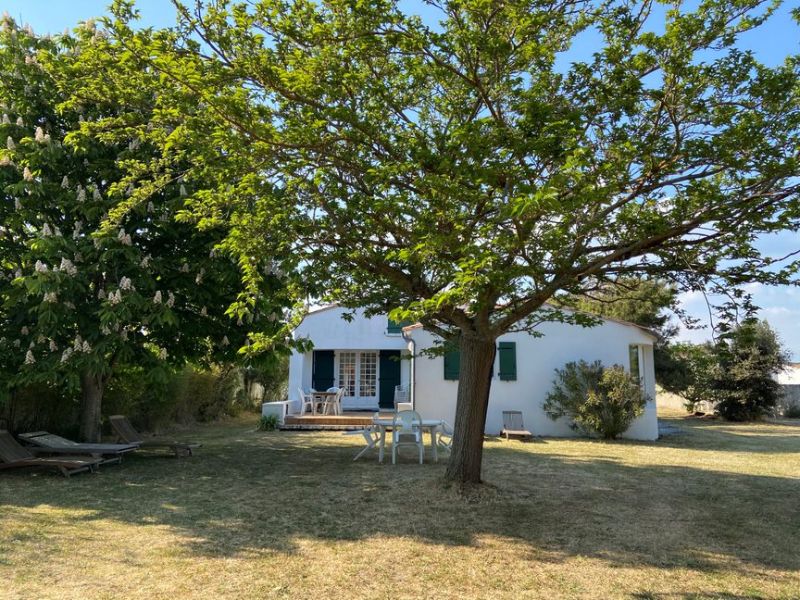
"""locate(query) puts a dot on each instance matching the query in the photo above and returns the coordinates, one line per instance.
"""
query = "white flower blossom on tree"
(101, 294)
(24, 330)
(225, 341)
(46, 231)
(124, 334)
(86, 348)
(29, 358)
(68, 267)
(6, 120)
(157, 297)
(150, 207)
(66, 354)
(115, 297)
(170, 299)
(145, 262)
(125, 284)
(185, 268)
(20, 122)
(124, 238)
(40, 267)
(53, 346)
(27, 175)
(204, 312)
(162, 354)
(6, 161)
(51, 297)
(65, 182)
(81, 194)
(96, 196)
(39, 135)
(17, 204)
(182, 190)
(10, 143)
(17, 343)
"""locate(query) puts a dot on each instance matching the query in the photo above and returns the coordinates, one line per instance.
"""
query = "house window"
(633, 355)
(396, 327)
(347, 372)
(369, 374)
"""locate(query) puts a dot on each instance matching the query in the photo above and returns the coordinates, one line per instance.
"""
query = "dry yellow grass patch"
(712, 512)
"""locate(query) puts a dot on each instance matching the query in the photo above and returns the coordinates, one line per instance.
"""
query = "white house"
(370, 356)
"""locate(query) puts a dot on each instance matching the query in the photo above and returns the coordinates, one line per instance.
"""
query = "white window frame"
(358, 400)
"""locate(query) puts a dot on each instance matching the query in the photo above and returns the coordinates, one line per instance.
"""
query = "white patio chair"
(330, 401)
(407, 431)
(372, 436)
(401, 396)
(338, 406)
(307, 400)
(444, 436)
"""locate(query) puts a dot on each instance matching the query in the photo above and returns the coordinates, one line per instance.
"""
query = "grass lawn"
(712, 512)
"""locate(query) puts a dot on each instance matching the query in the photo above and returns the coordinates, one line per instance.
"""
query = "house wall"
(329, 331)
(537, 358)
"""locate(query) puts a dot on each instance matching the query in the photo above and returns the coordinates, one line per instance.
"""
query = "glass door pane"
(368, 381)
(347, 373)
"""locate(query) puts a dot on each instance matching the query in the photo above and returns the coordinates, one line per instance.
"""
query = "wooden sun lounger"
(55, 444)
(13, 455)
(512, 424)
(127, 434)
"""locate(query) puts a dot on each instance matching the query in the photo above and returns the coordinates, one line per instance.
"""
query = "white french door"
(357, 372)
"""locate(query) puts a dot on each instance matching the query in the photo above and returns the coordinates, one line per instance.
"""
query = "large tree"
(77, 301)
(460, 170)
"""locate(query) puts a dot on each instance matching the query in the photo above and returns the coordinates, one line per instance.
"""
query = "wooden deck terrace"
(350, 420)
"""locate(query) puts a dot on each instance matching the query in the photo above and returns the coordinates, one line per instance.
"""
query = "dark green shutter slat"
(322, 372)
(508, 360)
(389, 377)
(452, 365)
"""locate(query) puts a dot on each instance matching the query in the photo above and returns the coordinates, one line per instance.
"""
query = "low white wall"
(279, 409)
(537, 359)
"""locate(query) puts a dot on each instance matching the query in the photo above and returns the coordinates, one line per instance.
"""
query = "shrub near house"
(598, 401)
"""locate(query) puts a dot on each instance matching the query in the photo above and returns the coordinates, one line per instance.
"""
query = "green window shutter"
(395, 327)
(452, 365)
(508, 360)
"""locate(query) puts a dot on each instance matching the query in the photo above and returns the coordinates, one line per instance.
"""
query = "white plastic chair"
(401, 395)
(330, 402)
(372, 437)
(407, 431)
(444, 436)
(338, 401)
(307, 400)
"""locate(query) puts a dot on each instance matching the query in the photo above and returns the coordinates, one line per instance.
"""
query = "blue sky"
(771, 43)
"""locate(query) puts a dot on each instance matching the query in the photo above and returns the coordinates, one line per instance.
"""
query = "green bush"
(597, 400)
(268, 423)
(792, 412)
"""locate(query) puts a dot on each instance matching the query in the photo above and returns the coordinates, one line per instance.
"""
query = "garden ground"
(710, 512)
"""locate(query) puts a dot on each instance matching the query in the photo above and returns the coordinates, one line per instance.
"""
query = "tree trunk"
(474, 382)
(92, 391)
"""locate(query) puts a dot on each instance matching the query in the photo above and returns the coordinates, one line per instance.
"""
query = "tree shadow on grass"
(249, 493)
(717, 434)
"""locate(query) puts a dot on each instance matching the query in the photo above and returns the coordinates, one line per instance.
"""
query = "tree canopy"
(76, 301)
(459, 170)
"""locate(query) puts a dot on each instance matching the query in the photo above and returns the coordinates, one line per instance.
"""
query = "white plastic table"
(385, 424)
